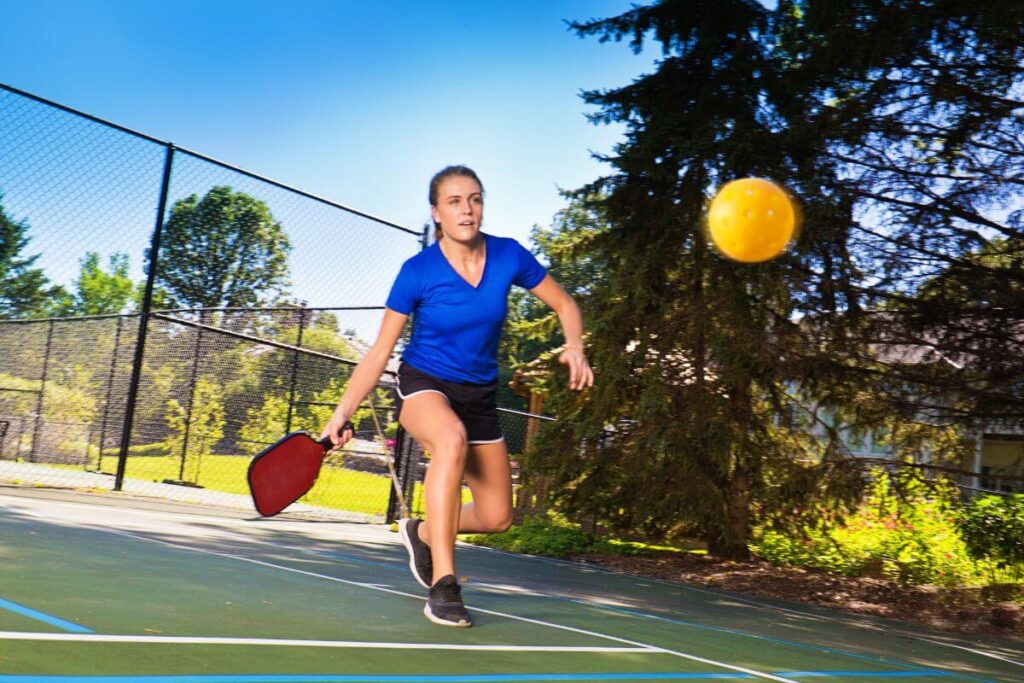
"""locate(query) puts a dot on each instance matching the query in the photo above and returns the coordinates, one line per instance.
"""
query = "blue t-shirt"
(456, 326)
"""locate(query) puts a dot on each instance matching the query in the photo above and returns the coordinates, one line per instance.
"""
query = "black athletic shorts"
(475, 404)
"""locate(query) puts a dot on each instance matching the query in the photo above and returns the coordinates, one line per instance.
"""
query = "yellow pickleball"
(751, 220)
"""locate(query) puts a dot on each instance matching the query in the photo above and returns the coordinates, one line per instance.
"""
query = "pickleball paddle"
(285, 471)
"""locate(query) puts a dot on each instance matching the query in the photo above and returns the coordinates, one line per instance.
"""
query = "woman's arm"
(365, 377)
(551, 293)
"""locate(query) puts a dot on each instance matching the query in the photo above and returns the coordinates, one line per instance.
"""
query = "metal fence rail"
(211, 394)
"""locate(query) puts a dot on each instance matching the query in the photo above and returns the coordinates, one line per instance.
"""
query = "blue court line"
(45, 618)
(483, 678)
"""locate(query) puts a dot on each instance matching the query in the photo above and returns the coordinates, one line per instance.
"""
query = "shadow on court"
(103, 588)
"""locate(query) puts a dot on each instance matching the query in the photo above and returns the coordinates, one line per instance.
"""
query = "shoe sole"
(443, 622)
(403, 531)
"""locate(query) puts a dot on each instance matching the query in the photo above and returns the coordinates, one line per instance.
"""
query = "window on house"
(880, 442)
(857, 440)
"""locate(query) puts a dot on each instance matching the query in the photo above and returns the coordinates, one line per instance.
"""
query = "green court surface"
(99, 588)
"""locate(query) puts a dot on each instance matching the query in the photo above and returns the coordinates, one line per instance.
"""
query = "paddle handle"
(326, 441)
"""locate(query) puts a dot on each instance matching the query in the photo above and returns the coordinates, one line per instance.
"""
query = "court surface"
(100, 588)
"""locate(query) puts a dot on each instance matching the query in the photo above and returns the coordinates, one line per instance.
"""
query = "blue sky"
(356, 101)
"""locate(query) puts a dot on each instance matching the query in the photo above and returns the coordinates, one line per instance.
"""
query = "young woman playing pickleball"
(457, 292)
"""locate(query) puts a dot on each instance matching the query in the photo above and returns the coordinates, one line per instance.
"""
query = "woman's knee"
(495, 522)
(453, 440)
(450, 445)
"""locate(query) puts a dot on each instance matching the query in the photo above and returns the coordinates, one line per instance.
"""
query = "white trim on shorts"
(500, 438)
(421, 391)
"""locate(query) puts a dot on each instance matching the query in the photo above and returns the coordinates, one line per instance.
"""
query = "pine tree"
(678, 432)
(917, 108)
(892, 121)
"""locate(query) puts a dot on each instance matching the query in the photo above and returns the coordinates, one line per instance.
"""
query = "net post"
(144, 314)
(394, 507)
(412, 464)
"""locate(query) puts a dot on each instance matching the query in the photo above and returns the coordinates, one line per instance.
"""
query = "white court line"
(649, 648)
(972, 650)
(354, 644)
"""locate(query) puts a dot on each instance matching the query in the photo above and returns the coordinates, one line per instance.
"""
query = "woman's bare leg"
(490, 480)
(431, 421)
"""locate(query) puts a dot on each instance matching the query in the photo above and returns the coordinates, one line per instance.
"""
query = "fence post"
(42, 392)
(21, 433)
(147, 304)
(191, 398)
(110, 388)
(295, 370)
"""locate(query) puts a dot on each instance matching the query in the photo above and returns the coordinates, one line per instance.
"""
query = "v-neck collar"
(455, 272)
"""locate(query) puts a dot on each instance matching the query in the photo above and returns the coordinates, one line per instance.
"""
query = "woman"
(447, 382)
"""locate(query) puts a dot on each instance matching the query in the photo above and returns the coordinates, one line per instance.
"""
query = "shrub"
(906, 530)
(993, 529)
(264, 425)
(68, 411)
(202, 424)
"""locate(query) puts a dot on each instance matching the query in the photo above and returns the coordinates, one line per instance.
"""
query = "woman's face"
(460, 208)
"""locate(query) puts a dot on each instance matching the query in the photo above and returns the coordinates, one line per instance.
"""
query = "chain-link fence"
(164, 316)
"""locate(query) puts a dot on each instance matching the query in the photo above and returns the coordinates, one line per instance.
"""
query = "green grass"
(336, 488)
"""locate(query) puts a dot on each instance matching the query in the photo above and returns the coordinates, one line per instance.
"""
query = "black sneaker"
(444, 604)
(420, 563)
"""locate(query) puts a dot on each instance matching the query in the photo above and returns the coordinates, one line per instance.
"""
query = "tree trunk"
(732, 539)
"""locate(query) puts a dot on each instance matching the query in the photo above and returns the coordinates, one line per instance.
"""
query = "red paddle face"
(284, 472)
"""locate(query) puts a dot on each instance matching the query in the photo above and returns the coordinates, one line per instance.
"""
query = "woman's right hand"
(339, 430)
